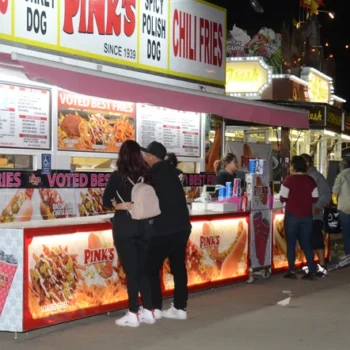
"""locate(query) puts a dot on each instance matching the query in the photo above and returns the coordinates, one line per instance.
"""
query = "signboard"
(176, 38)
(93, 124)
(334, 120)
(289, 88)
(178, 131)
(247, 77)
(11, 279)
(266, 44)
(5, 17)
(46, 163)
(317, 116)
(347, 125)
(24, 117)
(320, 87)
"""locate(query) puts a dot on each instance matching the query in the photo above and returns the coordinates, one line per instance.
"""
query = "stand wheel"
(266, 274)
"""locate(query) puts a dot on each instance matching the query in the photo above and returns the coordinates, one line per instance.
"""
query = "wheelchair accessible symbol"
(46, 163)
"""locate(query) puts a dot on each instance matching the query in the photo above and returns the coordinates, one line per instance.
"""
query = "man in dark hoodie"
(172, 230)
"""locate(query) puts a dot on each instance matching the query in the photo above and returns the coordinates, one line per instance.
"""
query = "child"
(299, 193)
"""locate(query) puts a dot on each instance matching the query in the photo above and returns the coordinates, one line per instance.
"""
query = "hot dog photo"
(216, 250)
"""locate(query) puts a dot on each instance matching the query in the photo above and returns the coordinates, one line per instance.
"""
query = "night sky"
(334, 31)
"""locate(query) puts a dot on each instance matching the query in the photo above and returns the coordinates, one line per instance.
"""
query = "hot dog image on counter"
(217, 250)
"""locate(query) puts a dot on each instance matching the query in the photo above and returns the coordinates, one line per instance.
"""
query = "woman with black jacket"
(131, 237)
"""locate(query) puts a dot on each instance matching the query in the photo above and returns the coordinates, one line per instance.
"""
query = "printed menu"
(93, 124)
(24, 117)
(178, 131)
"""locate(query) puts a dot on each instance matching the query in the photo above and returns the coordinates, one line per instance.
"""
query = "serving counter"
(61, 270)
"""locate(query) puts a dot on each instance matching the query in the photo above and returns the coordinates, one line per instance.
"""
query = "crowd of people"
(307, 194)
(143, 244)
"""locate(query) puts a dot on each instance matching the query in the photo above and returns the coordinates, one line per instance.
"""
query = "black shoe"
(290, 275)
(309, 277)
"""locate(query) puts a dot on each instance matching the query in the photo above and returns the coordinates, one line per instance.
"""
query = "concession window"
(100, 84)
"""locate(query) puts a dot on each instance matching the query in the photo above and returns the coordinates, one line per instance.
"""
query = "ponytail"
(217, 166)
(226, 159)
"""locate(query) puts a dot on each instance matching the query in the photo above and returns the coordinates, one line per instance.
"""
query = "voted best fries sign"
(177, 38)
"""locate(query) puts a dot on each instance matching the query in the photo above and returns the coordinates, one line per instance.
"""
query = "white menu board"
(24, 117)
(178, 131)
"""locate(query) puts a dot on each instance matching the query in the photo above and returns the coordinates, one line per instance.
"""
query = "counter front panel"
(70, 272)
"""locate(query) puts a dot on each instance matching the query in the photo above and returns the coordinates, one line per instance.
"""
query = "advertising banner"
(31, 196)
(217, 250)
(11, 280)
(25, 117)
(76, 272)
(266, 43)
(280, 245)
(72, 272)
(93, 124)
(260, 239)
(176, 38)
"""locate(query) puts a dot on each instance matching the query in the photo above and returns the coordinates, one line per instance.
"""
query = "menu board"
(24, 117)
(178, 131)
(93, 124)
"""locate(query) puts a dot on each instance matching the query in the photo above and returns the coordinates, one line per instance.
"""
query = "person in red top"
(299, 193)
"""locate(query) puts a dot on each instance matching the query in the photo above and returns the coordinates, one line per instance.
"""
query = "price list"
(24, 117)
(178, 131)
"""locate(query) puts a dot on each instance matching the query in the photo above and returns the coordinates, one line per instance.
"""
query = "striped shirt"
(299, 192)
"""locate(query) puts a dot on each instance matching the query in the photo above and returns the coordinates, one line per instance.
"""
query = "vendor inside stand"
(226, 169)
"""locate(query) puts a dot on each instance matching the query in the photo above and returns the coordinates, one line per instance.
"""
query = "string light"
(327, 44)
(346, 46)
(331, 56)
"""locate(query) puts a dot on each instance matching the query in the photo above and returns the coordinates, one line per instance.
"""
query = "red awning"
(99, 84)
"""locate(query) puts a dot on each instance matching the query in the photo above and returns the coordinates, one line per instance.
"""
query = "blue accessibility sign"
(46, 163)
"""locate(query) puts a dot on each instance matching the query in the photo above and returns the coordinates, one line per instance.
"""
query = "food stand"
(63, 125)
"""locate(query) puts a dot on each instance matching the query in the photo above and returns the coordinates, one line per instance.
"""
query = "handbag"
(331, 222)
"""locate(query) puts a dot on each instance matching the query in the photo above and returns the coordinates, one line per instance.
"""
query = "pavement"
(240, 317)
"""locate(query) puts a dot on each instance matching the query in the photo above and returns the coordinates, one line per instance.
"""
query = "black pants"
(173, 247)
(133, 252)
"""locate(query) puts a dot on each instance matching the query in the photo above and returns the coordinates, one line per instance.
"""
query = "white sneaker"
(146, 316)
(157, 314)
(175, 313)
(129, 320)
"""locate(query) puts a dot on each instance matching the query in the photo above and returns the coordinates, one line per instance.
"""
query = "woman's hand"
(121, 206)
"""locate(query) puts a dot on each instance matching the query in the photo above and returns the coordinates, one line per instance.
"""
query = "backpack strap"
(140, 180)
(119, 196)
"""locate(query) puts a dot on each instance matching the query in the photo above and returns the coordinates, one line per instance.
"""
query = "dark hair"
(344, 164)
(131, 164)
(299, 165)
(226, 159)
(307, 158)
(173, 159)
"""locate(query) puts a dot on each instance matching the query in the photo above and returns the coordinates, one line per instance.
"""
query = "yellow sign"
(316, 116)
(319, 88)
(244, 77)
(335, 119)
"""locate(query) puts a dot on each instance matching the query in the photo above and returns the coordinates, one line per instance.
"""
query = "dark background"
(335, 32)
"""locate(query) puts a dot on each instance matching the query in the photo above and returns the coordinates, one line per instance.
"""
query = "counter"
(61, 270)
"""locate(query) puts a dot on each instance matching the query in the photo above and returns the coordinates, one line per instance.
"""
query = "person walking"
(299, 193)
(341, 189)
(324, 198)
(172, 231)
(131, 237)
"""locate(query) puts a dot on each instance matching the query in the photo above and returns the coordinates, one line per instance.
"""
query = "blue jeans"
(345, 225)
(299, 230)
